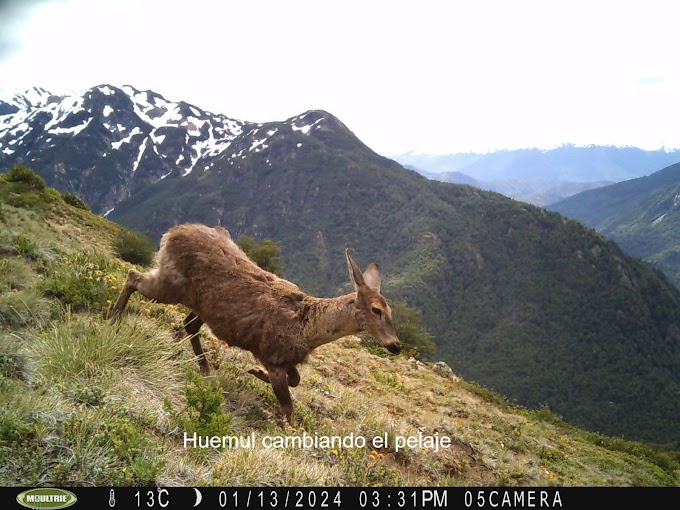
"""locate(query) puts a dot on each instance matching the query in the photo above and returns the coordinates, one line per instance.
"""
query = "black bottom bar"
(208, 498)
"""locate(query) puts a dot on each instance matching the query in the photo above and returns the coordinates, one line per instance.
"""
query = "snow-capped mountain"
(34, 97)
(106, 141)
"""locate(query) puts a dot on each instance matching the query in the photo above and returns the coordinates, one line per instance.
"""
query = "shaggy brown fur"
(248, 307)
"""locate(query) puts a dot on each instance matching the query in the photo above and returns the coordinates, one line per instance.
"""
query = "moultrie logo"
(47, 497)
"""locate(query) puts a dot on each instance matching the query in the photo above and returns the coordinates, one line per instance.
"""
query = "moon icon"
(199, 497)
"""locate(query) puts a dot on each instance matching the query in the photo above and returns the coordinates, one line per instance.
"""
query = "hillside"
(640, 215)
(526, 302)
(90, 403)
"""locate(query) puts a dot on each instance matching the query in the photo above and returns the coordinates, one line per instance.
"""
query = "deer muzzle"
(393, 345)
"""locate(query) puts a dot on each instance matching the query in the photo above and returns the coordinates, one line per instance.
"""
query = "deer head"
(372, 312)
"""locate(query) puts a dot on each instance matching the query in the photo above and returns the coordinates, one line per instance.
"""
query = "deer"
(248, 307)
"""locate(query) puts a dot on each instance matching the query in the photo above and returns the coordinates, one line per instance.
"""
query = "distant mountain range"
(525, 301)
(542, 177)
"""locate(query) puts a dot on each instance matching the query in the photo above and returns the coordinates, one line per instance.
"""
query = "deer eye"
(377, 311)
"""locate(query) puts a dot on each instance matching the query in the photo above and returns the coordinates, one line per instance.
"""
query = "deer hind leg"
(278, 377)
(192, 324)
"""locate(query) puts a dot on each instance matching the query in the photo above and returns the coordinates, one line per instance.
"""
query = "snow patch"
(659, 219)
(258, 145)
(142, 148)
(127, 139)
(68, 106)
(306, 128)
(72, 130)
(157, 139)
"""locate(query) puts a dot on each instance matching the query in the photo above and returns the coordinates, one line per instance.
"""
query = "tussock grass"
(89, 346)
(15, 274)
(27, 308)
(93, 360)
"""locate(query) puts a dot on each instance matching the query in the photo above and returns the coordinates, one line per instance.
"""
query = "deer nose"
(394, 347)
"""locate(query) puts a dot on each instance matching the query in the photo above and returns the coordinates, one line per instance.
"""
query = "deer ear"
(354, 271)
(372, 276)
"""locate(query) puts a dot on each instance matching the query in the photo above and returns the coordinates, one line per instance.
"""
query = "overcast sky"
(422, 76)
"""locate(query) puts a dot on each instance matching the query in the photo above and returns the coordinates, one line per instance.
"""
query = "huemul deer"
(245, 306)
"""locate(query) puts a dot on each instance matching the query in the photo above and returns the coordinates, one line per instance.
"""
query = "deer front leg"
(129, 288)
(279, 380)
(192, 324)
(292, 373)
(293, 377)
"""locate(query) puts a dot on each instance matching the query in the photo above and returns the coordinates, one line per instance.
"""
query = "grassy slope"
(85, 402)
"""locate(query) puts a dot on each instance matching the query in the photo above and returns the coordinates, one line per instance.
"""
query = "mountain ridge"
(640, 214)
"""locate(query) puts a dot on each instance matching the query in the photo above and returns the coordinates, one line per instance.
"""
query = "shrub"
(75, 201)
(25, 246)
(204, 413)
(28, 177)
(266, 254)
(408, 325)
(134, 247)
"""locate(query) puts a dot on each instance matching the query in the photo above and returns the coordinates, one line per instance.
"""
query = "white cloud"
(425, 76)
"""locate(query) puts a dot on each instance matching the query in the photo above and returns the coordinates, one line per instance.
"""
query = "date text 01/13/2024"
(309, 497)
